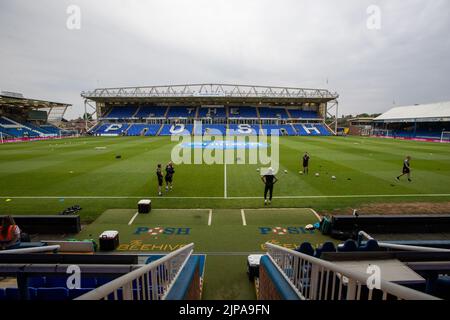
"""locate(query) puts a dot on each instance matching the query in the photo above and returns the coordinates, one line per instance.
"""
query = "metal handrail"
(32, 250)
(314, 277)
(150, 272)
(402, 246)
(410, 248)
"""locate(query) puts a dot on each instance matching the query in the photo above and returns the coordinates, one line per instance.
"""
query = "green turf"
(59, 170)
(227, 233)
(234, 286)
(226, 241)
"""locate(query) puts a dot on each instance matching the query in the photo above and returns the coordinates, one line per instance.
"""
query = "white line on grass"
(240, 198)
(225, 180)
(210, 217)
(132, 219)
(316, 214)
(244, 222)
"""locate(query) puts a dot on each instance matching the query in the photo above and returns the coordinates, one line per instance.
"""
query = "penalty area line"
(132, 219)
(244, 222)
(316, 214)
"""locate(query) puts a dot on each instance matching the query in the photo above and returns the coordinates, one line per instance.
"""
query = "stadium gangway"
(153, 281)
(401, 247)
(54, 248)
(315, 279)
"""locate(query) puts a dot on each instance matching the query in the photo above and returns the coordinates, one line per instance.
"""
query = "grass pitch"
(48, 176)
(225, 236)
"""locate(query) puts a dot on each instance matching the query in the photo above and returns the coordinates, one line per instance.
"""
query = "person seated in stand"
(9, 233)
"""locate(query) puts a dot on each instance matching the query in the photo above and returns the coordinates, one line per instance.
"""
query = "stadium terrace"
(240, 109)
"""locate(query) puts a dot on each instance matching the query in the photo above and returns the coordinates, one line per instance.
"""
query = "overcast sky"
(299, 43)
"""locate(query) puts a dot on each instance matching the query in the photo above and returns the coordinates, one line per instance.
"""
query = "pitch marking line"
(132, 219)
(241, 198)
(210, 217)
(316, 214)
(244, 222)
(225, 181)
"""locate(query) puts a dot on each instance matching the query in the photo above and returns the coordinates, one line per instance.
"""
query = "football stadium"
(211, 158)
(94, 198)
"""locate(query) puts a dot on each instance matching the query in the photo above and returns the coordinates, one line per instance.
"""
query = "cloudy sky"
(301, 43)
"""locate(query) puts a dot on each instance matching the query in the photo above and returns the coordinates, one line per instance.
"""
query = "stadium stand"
(211, 112)
(169, 129)
(236, 129)
(283, 129)
(312, 130)
(22, 128)
(273, 113)
(217, 107)
(151, 112)
(143, 129)
(243, 112)
(182, 112)
(426, 121)
(301, 114)
(122, 112)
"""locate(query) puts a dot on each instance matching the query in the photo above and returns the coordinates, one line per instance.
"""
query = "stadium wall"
(272, 285)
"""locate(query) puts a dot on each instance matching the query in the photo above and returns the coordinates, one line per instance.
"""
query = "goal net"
(382, 132)
(445, 136)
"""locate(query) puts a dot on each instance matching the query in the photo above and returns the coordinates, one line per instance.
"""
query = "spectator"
(9, 233)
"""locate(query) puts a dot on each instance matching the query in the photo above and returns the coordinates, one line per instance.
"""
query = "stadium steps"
(293, 127)
(20, 125)
(197, 111)
(288, 113)
(137, 111)
(167, 112)
(160, 129)
(108, 112)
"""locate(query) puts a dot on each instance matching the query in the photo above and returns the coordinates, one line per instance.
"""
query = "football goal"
(382, 132)
(445, 136)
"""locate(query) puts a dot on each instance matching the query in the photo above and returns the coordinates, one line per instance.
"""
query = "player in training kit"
(269, 180)
(306, 163)
(406, 169)
(169, 175)
(160, 179)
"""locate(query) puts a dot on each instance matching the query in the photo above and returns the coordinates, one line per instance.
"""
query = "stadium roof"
(210, 93)
(420, 113)
(17, 100)
(55, 110)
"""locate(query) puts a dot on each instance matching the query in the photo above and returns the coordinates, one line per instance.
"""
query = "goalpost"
(445, 136)
(382, 132)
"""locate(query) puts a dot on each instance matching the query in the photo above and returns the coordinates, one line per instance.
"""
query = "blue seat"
(89, 283)
(306, 248)
(349, 246)
(56, 282)
(12, 294)
(32, 293)
(36, 282)
(75, 293)
(326, 247)
(104, 280)
(2, 294)
(370, 245)
(61, 282)
(52, 294)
